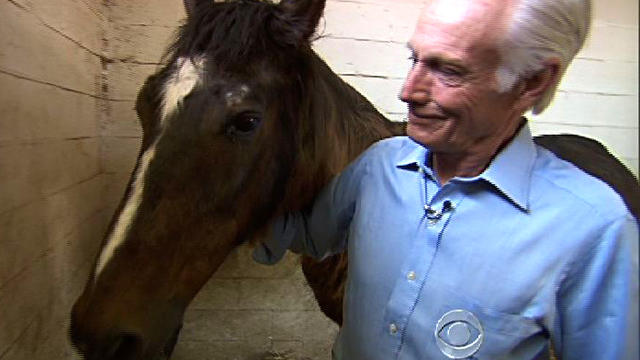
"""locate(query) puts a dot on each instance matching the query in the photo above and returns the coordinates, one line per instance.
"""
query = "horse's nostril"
(123, 347)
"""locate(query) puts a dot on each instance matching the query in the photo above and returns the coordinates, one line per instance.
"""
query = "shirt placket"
(415, 269)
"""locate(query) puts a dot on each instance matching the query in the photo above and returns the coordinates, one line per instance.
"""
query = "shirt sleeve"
(323, 229)
(598, 301)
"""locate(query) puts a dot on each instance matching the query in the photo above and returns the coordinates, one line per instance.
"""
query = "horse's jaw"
(123, 316)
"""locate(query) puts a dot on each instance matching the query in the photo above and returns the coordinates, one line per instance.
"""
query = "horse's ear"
(306, 14)
(190, 6)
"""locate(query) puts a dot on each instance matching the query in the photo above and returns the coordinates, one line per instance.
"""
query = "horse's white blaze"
(119, 233)
(180, 84)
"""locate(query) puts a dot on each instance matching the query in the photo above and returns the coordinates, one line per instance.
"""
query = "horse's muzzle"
(124, 346)
(118, 346)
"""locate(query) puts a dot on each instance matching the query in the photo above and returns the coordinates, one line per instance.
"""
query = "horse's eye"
(243, 124)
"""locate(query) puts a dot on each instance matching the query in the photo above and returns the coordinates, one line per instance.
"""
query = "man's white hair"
(540, 30)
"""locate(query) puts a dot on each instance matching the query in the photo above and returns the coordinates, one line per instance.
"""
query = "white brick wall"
(364, 42)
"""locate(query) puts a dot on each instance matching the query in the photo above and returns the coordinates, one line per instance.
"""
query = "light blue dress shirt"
(533, 248)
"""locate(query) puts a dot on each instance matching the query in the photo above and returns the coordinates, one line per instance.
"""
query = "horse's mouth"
(128, 348)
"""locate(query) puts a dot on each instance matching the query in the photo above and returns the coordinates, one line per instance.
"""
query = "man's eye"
(450, 71)
(451, 75)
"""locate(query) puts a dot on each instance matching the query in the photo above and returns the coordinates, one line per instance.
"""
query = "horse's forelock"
(235, 33)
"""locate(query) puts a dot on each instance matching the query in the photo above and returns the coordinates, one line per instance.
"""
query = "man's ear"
(532, 88)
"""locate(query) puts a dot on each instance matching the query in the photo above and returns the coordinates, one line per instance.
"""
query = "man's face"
(450, 91)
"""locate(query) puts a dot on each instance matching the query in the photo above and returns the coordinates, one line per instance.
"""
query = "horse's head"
(219, 152)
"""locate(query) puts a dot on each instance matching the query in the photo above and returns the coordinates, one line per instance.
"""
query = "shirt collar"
(415, 158)
(509, 172)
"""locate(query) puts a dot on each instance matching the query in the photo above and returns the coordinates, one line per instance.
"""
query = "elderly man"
(465, 240)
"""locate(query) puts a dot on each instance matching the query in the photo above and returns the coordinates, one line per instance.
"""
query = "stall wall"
(52, 210)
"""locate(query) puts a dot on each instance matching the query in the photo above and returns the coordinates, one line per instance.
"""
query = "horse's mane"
(338, 124)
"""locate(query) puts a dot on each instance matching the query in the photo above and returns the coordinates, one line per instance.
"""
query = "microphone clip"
(434, 215)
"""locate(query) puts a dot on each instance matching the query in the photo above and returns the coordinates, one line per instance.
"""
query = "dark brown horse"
(244, 124)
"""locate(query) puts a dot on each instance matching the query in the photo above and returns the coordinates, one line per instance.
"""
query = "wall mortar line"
(61, 87)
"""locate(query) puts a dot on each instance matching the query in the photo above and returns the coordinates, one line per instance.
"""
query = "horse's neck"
(346, 118)
(337, 124)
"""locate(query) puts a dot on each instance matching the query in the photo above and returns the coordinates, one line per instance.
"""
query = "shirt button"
(411, 275)
(393, 329)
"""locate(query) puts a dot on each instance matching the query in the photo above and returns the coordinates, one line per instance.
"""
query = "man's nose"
(417, 85)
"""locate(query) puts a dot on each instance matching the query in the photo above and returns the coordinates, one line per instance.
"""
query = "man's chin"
(419, 134)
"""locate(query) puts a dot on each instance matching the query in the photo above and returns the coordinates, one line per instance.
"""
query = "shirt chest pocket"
(449, 325)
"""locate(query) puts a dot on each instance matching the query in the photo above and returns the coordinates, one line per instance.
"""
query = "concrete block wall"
(52, 211)
(252, 311)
